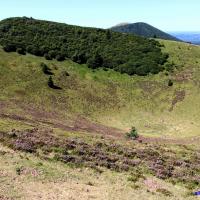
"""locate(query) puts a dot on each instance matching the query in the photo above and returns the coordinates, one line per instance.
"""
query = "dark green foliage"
(52, 85)
(47, 56)
(60, 57)
(9, 47)
(46, 69)
(170, 83)
(95, 62)
(133, 134)
(170, 67)
(50, 82)
(79, 58)
(143, 29)
(34, 50)
(21, 51)
(121, 52)
(52, 54)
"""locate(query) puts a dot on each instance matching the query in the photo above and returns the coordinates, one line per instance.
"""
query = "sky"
(168, 15)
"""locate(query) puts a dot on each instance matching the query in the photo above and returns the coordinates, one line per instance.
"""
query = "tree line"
(92, 46)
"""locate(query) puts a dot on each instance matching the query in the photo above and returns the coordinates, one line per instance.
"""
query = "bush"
(21, 51)
(47, 57)
(170, 83)
(79, 58)
(52, 85)
(95, 62)
(60, 57)
(9, 48)
(33, 50)
(133, 134)
(50, 82)
(46, 69)
(52, 54)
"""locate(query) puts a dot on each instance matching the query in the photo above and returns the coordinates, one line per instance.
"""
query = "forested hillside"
(95, 47)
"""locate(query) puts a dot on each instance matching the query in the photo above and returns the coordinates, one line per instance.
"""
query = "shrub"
(47, 57)
(21, 51)
(52, 54)
(9, 48)
(50, 82)
(19, 170)
(46, 69)
(95, 62)
(60, 57)
(170, 83)
(33, 50)
(133, 134)
(52, 85)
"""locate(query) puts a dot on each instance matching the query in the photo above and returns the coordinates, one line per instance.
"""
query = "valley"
(70, 141)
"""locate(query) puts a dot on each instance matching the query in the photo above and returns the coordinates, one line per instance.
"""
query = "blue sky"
(168, 15)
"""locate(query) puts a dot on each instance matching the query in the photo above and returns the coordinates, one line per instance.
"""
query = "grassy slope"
(106, 97)
(42, 179)
(109, 98)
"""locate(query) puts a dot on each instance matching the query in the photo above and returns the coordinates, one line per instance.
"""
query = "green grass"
(107, 97)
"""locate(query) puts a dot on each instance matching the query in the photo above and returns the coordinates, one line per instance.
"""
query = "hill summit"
(143, 29)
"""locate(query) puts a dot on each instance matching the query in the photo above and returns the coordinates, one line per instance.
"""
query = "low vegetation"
(133, 134)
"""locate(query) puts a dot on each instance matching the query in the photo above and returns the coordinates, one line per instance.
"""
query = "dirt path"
(82, 124)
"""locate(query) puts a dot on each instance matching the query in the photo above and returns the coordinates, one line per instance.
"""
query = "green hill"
(107, 97)
(96, 47)
(77, 133)
(63, 128)
(143, 29)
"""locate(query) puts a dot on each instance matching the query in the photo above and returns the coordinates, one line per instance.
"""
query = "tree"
(108, 35)
(21, 51)
(95, 62)
(50, 82)
(121, 52)
(47, 57)
(46, 70)
(9, 48)
(60, 57)
(133, 134)
(33, 50)
(170, 83)
(52, 54)
(79, 58)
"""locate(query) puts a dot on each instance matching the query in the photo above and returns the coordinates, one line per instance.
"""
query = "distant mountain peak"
(121, 24)
(143, 29)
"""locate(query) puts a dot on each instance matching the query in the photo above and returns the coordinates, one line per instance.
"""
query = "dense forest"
(143, 29)
(95, 47)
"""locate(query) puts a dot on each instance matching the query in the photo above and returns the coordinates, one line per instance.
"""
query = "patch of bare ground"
(184, 76)
(64, 190)
(5, 198)
(159, 140)
(179, 96)
(80, 124)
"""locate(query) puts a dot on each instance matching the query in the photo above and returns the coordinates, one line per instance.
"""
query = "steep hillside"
(70, 141)
(107, 97)
(96, 47)
(143, 29)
